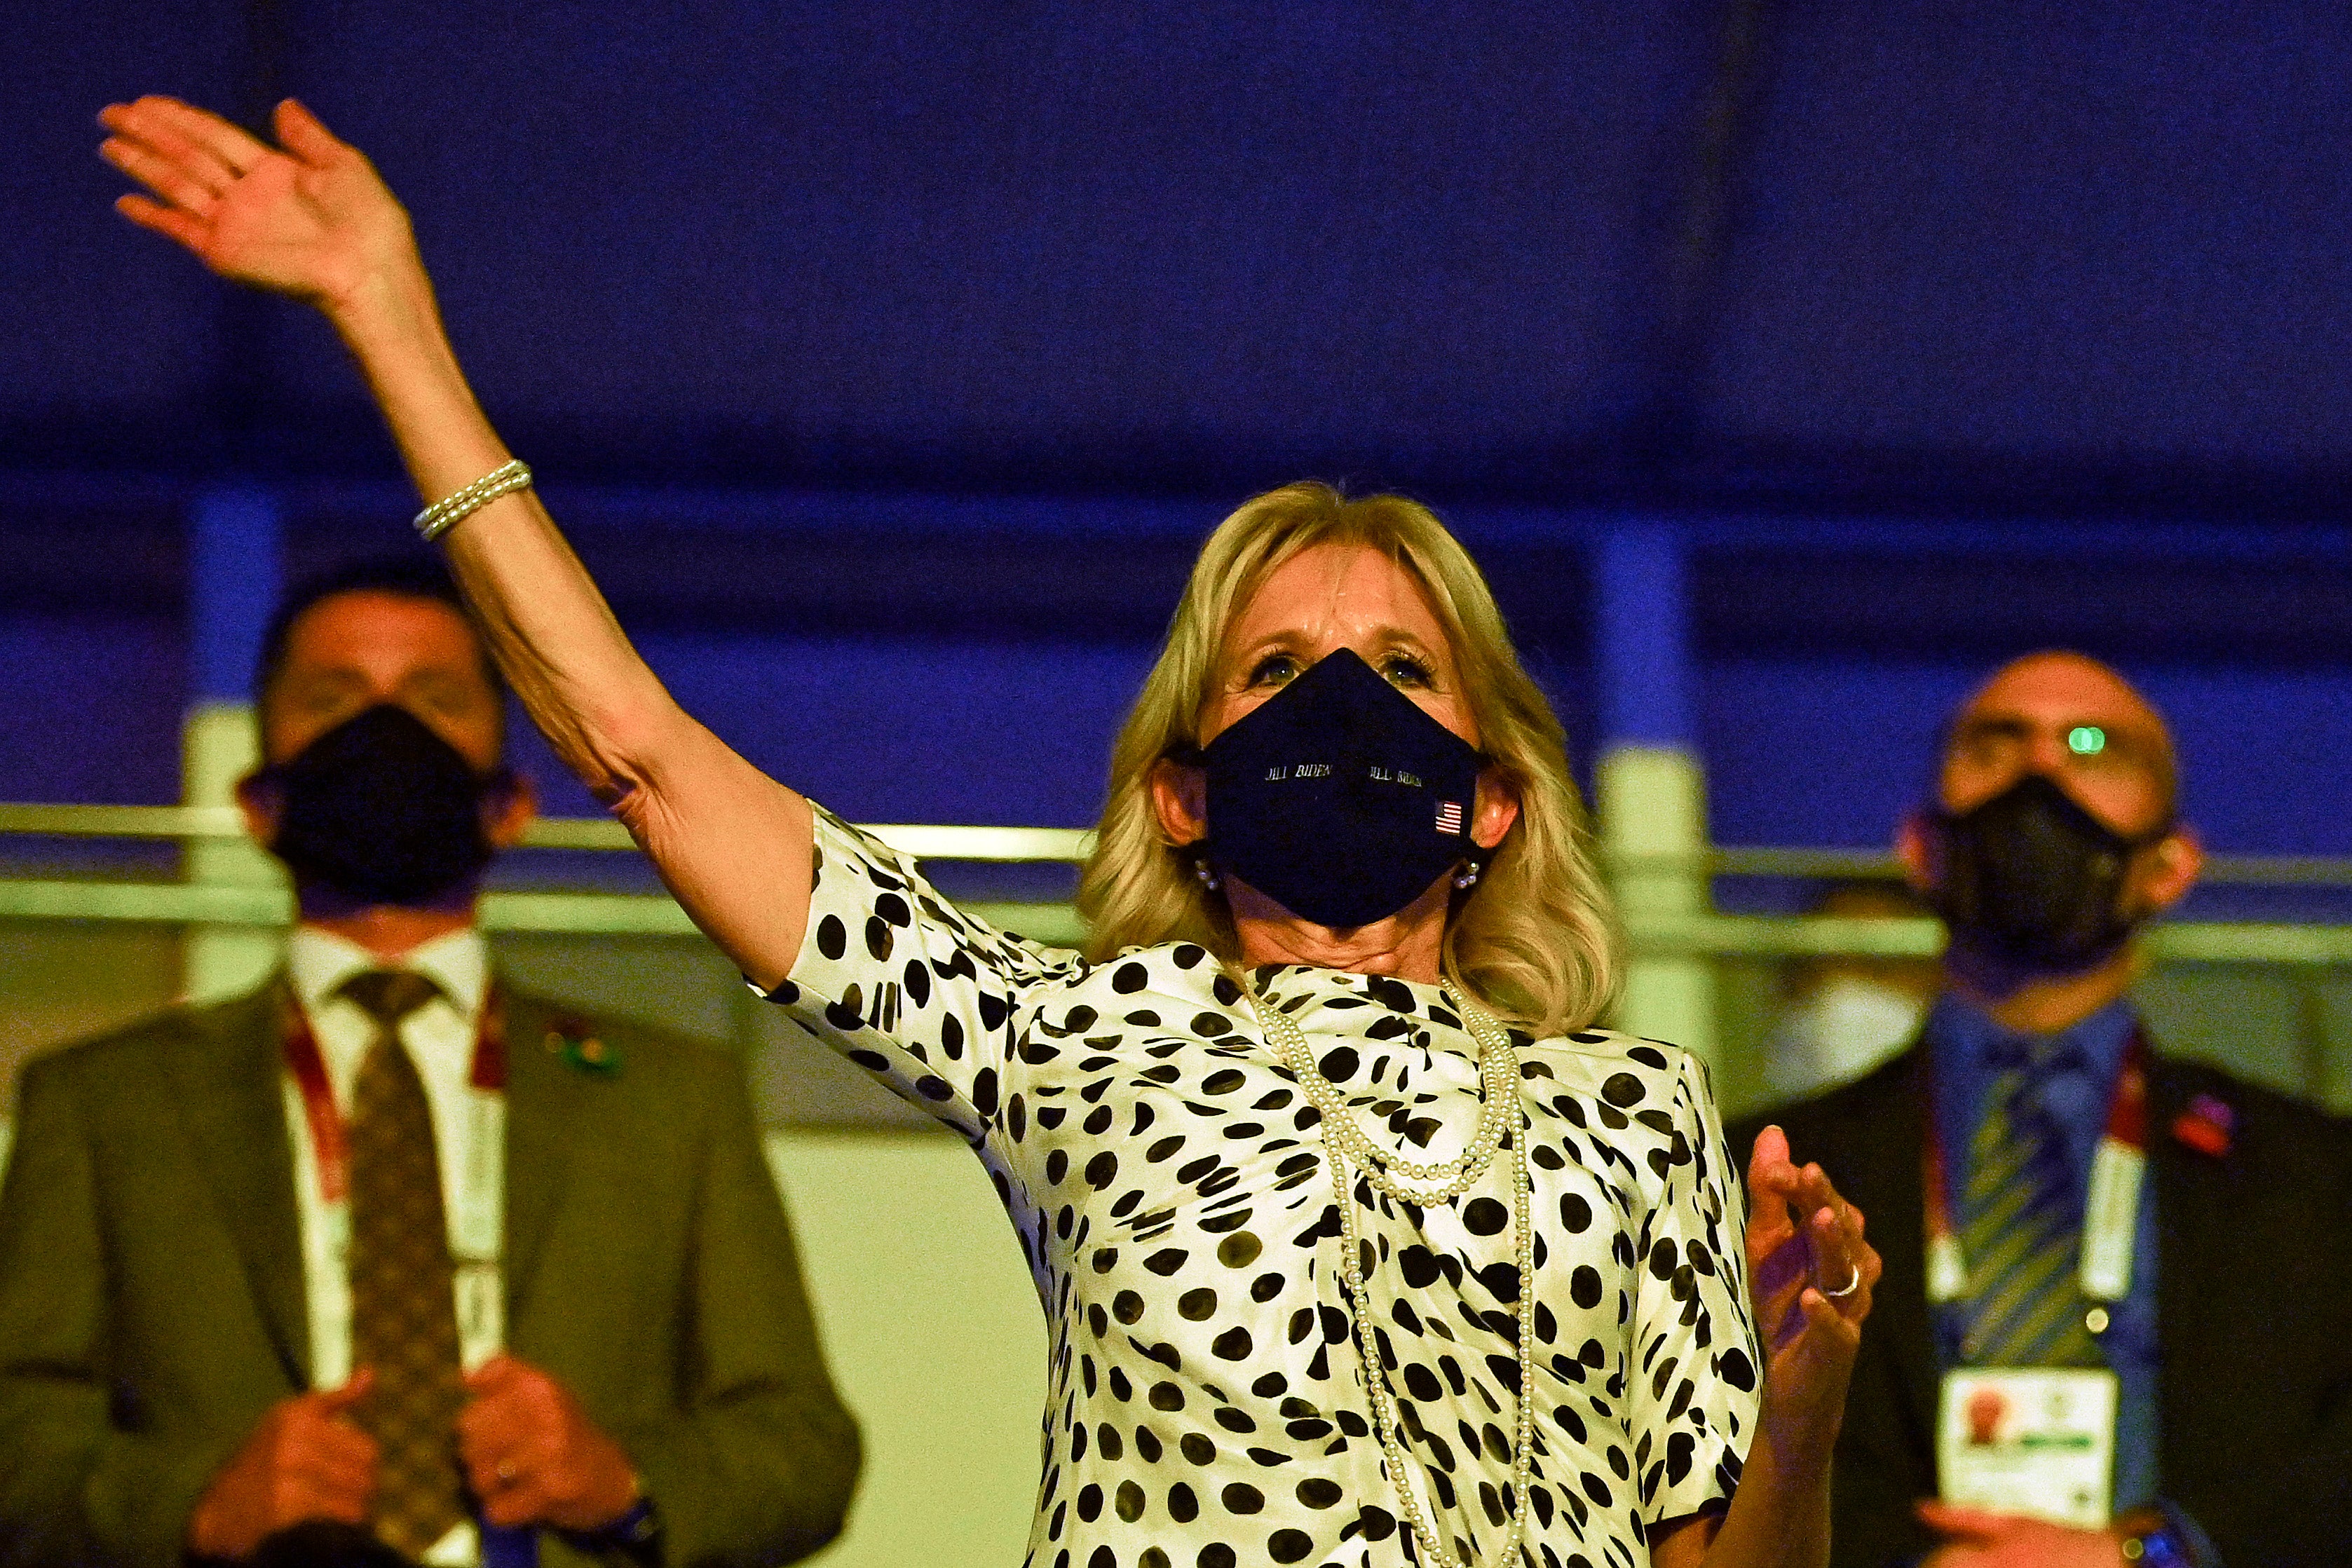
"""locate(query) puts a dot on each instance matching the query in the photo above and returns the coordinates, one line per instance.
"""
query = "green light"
(2086, 740)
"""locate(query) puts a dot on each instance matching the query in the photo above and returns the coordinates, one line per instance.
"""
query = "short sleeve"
(1697, 1368)
(906, 986)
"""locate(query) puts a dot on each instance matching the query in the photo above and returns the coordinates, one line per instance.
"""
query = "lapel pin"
(570, 1041)
(2206, 1126)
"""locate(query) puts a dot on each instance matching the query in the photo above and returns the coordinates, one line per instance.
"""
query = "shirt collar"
(318, 963)
(1967, 1038)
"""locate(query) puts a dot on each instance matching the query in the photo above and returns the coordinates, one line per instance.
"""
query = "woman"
(1311, 1154)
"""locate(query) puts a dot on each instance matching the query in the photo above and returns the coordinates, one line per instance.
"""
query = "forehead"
(1337, 587)
(2058, 690)
(380, 633)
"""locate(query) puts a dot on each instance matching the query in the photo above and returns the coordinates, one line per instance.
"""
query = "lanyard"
(329, 1138)
(477, 1209)
(2110, 1212)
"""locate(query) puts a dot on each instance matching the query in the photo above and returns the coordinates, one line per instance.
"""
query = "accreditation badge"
(2038, 1442)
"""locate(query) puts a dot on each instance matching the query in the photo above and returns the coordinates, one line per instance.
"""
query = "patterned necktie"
(404, 1303)
(2022, 1227)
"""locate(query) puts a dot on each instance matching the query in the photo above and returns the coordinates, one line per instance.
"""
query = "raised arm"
(311, 219)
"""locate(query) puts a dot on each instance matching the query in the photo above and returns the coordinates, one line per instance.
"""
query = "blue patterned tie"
(2022, 1224)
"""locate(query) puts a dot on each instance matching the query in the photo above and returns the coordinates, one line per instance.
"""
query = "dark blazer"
(2255, 1316)
(151, 1302)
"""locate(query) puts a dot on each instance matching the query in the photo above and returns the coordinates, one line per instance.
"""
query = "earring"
(1209, 878)
(1467, 877)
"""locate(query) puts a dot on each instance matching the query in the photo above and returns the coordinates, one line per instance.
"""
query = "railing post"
(234, 551)
(1651, 787)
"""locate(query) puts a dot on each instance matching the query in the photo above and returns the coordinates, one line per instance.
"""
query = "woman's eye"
(1275, 669)
(1404, 671)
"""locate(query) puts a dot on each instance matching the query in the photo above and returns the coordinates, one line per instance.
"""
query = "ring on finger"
(1850, 1285)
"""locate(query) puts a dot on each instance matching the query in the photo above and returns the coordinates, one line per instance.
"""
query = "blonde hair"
(1532, 941)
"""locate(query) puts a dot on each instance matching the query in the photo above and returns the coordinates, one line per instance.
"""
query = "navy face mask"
(1337, 797)
(379, 809)
(2032, 880)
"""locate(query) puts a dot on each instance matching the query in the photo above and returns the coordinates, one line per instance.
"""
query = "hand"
(305, 1461)
(534, 1458)
(1976, 1539)
(313, 221)
(1803, 1242)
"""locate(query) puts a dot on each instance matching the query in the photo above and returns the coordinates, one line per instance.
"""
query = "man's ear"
(508, 807)
(2169, 868)
(1498, 809)
(1179, 799)
(1918, 858)
(263, 803)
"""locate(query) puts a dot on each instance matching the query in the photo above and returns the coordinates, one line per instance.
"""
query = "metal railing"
(590, 912)
(569, 912)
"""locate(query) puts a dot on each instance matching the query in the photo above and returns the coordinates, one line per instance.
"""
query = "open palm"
(309, 219)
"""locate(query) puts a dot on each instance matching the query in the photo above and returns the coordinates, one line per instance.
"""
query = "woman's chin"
(1406, 943)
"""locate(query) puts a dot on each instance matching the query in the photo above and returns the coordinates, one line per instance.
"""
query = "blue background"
(888, 360)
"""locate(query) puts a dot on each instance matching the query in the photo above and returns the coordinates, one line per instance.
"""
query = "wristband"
(2157, 1548)
(634, 1533)
(2163, 1536)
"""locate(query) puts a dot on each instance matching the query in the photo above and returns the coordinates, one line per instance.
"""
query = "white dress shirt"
(469, 1136)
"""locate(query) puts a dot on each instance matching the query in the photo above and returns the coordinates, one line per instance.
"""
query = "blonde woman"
(1357, 1243)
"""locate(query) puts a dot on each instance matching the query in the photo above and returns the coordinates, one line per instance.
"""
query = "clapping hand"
(309, 218)
(1812, 1275)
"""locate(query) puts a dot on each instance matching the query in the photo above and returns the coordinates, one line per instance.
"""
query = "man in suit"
(386, 1253)
(2218, 1298)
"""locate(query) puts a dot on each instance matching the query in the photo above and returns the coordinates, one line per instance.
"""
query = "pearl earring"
(1467, 877)
(1209, 878)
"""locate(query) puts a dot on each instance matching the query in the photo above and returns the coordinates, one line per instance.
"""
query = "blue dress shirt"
(1959, 1039)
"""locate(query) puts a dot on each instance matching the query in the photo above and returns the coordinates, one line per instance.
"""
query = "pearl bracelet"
(450, 510)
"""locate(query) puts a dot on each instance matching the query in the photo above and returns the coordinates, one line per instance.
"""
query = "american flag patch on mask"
(1449, 816)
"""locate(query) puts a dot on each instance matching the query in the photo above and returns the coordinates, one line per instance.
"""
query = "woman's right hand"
(310, 219)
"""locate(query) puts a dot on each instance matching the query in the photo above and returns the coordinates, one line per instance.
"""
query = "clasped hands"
(530, 1453)
(1974, 1538)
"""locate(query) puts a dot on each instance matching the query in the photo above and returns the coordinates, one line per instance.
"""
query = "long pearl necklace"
(1499, 1121)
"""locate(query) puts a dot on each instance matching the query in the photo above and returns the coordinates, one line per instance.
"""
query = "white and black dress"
(1204, 1403)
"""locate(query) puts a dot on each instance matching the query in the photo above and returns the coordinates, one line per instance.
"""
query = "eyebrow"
(319, 675)
(2124, 737)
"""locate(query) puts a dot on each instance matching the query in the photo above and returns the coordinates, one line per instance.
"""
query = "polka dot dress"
(1204, 1404)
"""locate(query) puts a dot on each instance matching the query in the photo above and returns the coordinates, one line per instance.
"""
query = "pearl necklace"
(1499, 1121)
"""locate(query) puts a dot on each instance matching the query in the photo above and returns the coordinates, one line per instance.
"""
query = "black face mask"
(1337, 797)
(379, 809)
(2032, 880)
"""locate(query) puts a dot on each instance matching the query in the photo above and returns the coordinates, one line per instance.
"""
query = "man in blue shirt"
(2047, 1193)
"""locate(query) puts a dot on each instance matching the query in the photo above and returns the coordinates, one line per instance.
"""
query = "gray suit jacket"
(152, 1302)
